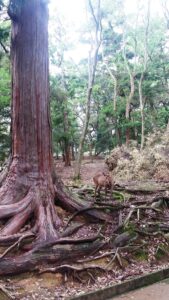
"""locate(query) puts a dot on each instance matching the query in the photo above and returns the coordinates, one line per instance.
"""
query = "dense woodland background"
(110, 98)
(127, 71)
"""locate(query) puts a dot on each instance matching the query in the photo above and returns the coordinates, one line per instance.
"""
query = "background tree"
(92, 64)
(59, 53)
(144, 68)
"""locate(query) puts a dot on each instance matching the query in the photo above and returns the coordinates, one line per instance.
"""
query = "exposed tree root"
(88, 209)
(9, 210)
(33, 203)
(73, 203)
(29, 187)
(71, 229)
(25, 199)
(64, 241)
(11, 239)
(56, 254)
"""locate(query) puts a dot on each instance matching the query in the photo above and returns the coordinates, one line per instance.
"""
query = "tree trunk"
(83, 135)
(30, 172)
(66, 131)
(131, 72)
(118, 136)
(92, 70)
(30, 187)
(73, 152)
(66, 143)
(128, 103)
(91, 151)
(67, 154)
(142, 76)
(141, 110)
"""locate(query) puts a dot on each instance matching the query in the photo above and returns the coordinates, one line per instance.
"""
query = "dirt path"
(88, 170)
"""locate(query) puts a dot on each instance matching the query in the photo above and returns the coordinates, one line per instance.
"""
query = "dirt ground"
(88, 170)
(67, 284)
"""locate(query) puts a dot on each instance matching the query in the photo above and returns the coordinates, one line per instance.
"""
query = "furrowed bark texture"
(31, 134)
(30, 185)
(28, 188)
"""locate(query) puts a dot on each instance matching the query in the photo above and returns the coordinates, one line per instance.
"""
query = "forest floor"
(132, 256)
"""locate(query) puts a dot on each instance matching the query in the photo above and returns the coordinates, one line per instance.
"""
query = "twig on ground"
(6, 293)
(74, 268)
(16, 244)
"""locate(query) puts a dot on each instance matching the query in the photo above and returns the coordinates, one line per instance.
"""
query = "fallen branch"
(112, 260)
(16, 244)
(10, 239)
(6, 294)
(74, 268)
(96, 257)
(126, 221)
(83, 210)
(141, 232)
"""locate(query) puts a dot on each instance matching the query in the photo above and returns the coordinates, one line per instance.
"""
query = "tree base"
(31, 223)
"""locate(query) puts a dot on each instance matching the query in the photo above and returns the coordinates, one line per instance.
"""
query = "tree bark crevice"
(30, 188)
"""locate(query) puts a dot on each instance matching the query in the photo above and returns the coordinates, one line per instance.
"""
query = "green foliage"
(61, 104)
(4, 38)
(1, 4)
(141, 255)
(4, 33)
(5, 95)
(68, 81)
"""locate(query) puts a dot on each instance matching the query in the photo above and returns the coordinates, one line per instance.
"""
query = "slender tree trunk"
(140, 83)
(67, 154)
(118, 136)
(66, 125)
(115, 94)
(73, 152)
(129, 98)
(128, 103)
(92, 64)
(114, 79)
(66, 142)
(141, 110)
(90, 151)
(131, 73)
(83, 135)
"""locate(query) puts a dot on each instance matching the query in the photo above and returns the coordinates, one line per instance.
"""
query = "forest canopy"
(130, 90)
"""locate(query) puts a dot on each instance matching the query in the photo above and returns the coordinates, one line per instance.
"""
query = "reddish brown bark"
(31, 186)
(67, 154)
(30, 172)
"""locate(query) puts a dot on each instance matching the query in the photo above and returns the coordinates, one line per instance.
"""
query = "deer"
(103, 180)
